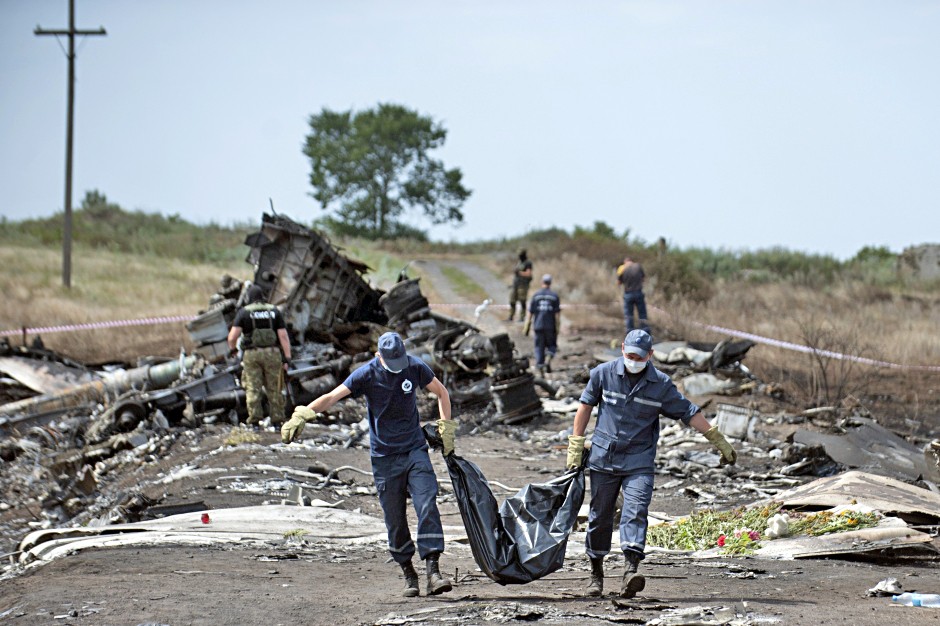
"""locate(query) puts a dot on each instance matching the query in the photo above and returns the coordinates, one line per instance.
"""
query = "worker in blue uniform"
(399, 451)
(545, 318)
(630, 394)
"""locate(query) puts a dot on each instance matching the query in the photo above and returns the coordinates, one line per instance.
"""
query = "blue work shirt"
(394, 425)
(543, 306)
(627, 427)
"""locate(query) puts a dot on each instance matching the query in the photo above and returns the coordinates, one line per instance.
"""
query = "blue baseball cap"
(638, 342)
(392, 349)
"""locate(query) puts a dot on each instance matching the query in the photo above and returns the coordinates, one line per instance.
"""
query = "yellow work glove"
(575, 451)
(292, 428)
(447, 429)
(528, 327)
(728, 455)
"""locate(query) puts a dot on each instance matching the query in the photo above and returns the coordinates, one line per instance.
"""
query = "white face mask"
(634, 367)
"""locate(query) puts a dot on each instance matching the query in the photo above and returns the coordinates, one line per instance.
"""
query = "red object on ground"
(205, 518)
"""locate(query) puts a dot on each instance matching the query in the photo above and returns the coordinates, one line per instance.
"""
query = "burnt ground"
(332, 583)
(316, 581)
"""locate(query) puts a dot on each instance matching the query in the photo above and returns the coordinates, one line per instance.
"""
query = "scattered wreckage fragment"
(16, 416)
(868, 446)
(257, 524)
(471, 365)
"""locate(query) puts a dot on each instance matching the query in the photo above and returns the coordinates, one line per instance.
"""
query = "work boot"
(436, 583)
(596, 588)
(548, 362)
(632, 582)
(411, 580)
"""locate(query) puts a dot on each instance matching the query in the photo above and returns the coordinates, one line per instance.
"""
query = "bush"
(677, 279)
(103, 225)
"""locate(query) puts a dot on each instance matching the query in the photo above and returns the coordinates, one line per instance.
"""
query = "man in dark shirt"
(400, 461)
(544, 318)
(266, 354)
(630, 277)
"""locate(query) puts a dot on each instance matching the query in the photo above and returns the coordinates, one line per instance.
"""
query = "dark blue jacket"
(627, 429)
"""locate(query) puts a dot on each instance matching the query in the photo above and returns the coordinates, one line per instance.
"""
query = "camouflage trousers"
(263, 372)
(518, 293)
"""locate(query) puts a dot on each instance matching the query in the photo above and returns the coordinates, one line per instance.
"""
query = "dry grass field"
(105, 286)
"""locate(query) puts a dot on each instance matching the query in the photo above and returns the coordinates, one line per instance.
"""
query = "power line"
(67, 226)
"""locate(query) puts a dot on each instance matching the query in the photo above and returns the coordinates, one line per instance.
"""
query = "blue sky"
(726, 124)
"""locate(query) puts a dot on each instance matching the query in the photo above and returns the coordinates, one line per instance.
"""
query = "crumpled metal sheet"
(251, 523)
(878, 492)
(43, 376)
(870, 447)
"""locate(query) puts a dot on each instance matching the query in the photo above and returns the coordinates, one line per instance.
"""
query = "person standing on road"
(630, 277)
(544, 318)
(630, 394)
(266, 354)
(519, 290)
(400, 461)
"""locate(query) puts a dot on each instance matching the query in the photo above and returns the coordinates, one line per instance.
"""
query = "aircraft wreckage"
(333, 317)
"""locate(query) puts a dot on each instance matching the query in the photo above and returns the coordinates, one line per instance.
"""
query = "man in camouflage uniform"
(519, 291)
(266, 354)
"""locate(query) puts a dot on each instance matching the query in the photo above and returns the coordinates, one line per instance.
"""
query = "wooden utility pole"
(67, 226)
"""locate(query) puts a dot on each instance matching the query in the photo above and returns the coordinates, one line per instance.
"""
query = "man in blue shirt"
(630, 277)
(400, 461)
(630, 394)
(544, 318)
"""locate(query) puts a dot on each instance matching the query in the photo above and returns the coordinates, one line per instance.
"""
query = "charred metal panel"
(869, 446)
(315, 286)
(404, 303)
(469, 363)
(513, 385)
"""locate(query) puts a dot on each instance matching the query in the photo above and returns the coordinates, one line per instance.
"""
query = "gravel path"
(491, 319)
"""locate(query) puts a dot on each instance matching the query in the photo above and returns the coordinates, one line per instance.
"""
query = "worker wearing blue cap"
(630, 394)
(399, 451)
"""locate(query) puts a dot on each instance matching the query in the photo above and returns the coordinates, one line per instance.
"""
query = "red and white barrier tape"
(464, 305)
(144, 321)
(787, 345)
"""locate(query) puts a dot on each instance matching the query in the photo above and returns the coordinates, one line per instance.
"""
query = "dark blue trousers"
(631, 300)
(545, 341)
(637, 492)
(396, 476)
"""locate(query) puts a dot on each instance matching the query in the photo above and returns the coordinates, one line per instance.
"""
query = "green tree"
(373, 165)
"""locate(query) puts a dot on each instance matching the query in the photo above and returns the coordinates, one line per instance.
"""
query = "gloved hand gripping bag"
(523, 539)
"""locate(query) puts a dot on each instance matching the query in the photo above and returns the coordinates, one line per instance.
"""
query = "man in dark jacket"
(630, 394)
(265, 354)
(544, 318)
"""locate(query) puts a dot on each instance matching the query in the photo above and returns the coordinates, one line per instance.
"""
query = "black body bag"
(525, 538)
